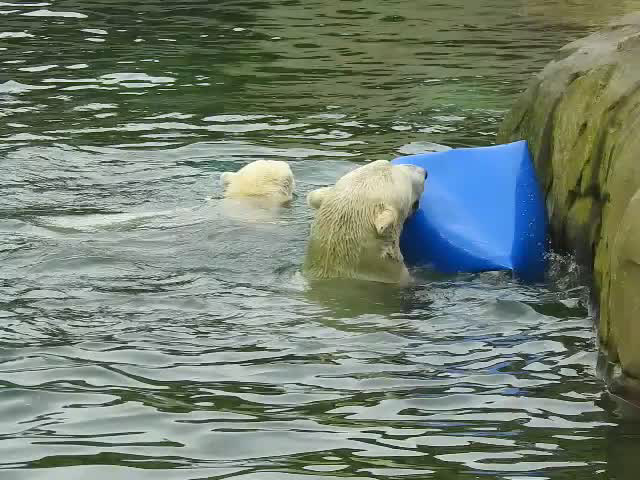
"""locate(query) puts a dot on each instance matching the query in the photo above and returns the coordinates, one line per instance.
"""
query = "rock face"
(581, 116)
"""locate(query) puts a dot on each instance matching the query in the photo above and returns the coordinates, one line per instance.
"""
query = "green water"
(145, 333)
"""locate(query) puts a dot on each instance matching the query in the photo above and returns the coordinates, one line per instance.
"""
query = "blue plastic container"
(481, 210)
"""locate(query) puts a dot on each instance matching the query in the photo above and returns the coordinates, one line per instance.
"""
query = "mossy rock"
(581, 116)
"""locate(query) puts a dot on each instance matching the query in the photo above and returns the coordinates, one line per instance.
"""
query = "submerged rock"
(581, 116)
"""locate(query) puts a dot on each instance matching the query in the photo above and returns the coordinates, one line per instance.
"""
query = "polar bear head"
(268, 181)
(358, 222)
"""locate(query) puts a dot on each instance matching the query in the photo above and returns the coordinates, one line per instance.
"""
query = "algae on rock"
(581, 116)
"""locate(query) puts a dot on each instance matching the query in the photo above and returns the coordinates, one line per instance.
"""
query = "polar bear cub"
(358, 222)
(267, 182)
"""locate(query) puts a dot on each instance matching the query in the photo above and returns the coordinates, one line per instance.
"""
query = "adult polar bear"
(358, 222)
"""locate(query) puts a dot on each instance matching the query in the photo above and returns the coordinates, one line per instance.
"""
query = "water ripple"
(151, 329)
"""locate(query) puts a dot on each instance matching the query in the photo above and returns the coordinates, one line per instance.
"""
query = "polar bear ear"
(225, 178)
(385, 220)
(315, 198)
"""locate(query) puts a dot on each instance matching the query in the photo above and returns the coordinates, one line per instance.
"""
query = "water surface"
(147, 330)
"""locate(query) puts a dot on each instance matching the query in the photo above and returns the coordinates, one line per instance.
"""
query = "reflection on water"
(149, 329)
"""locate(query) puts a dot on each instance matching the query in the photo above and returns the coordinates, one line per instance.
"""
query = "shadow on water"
(354, 298)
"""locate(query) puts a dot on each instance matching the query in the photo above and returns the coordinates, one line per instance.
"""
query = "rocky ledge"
(581, 116)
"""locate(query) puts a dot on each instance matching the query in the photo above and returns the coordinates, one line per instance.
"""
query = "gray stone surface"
(581, 116)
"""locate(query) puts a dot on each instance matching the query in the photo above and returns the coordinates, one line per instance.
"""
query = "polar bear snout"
(417, 177)
(415, 170)
(419, 171)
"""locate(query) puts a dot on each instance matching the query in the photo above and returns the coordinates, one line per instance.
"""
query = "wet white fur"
(265, 181)
(358, 221)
